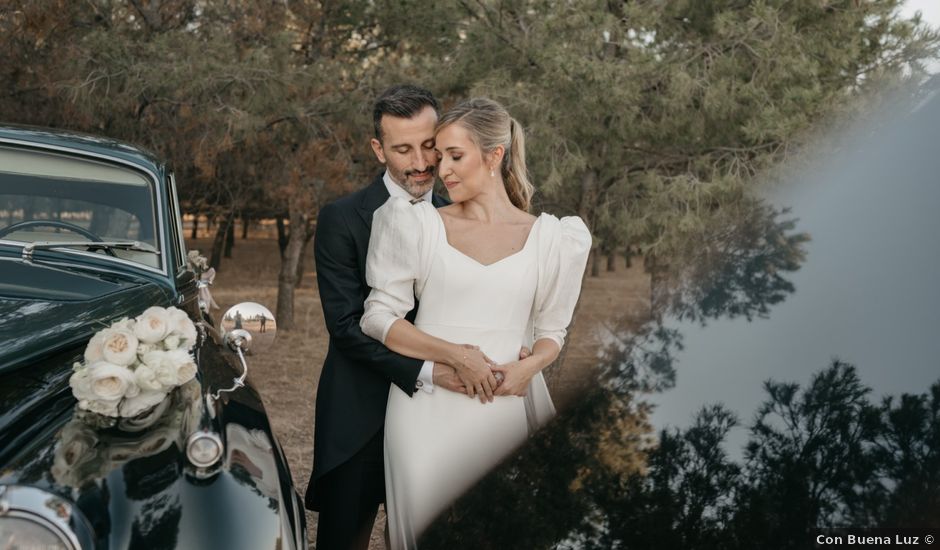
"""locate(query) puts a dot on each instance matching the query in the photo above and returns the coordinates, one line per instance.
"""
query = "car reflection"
(820, 447)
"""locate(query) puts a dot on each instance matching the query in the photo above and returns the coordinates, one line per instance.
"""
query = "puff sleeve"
(399, 257)
(564, 246)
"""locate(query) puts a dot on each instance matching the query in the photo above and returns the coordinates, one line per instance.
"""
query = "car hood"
(130, 478)
(45, 309)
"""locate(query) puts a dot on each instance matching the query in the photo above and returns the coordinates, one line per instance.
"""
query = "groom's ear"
(377, 149)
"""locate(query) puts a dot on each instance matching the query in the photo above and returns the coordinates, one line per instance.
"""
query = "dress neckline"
(525, 245)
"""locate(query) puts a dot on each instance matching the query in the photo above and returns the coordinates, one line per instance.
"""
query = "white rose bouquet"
(206, 275)
(197, 262)
(89, 446)
(130, 366)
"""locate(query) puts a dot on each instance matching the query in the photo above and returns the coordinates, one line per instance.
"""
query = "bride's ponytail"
(491, 126)
(515, 173)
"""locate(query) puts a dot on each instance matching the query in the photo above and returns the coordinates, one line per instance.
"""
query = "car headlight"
(33, 518)
(203, 449)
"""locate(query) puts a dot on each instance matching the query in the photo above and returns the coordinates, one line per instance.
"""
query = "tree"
(646, 115)
(242, 99)
(809, 458)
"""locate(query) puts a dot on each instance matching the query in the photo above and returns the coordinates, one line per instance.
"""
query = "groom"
(348, 479)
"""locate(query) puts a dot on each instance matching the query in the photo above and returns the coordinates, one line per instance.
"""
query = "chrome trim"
(50, 511)
(238, 340)
(139, 246)
(83, 253)
(154, 178)
(181, 235)
(204, 435)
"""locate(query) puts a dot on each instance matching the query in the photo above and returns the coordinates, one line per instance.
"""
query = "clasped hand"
(479, 376)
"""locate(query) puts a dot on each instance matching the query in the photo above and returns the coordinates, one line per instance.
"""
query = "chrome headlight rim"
(195, 458)
(52, 513)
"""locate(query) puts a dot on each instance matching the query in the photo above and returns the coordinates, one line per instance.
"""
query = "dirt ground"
(287, 376)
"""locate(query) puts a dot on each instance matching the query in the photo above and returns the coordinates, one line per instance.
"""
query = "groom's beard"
(418, 187)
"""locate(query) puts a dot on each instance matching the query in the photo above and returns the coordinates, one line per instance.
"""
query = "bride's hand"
(473, 368)
(516, 376)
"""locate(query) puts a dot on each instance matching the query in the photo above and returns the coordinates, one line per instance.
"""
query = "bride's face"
(462, 167)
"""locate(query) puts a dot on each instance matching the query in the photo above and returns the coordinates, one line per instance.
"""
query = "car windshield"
(51, 197)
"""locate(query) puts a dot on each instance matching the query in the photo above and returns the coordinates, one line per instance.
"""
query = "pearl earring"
(492, 173)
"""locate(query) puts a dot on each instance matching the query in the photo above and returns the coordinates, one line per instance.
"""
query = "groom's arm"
(343, 305)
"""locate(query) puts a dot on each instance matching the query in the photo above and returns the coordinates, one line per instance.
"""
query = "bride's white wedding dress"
(437, 445)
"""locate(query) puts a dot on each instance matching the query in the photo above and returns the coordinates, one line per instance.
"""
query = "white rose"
(124, 324)
(143, 401)
(144, 349)
(153, 441)
(163, 366)
(197, 260)
(110, 382)
(142, 421)
(76, 447)
(152, 325)
(80, 382)
(120, 347)
(183, 326)
(77, 443)
(185, 365)
(95, 349)
(100, 406)
(146, 378)
(171, 342)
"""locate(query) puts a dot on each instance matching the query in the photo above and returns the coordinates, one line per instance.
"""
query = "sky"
(929, 8)
(840, 307)
(930, 13)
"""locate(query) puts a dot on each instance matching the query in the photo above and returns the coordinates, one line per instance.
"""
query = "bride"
(490, 278)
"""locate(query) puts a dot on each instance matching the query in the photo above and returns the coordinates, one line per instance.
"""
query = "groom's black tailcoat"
(353, 388)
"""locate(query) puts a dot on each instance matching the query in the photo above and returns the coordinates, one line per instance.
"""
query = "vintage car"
(90, 234)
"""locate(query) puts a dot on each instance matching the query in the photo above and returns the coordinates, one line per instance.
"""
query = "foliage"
(644, 117)
(823, 455)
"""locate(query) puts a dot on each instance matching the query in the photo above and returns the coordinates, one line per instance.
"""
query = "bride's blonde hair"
(490, 126)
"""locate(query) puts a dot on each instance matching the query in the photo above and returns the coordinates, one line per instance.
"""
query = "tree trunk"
(99, 221)
(588, 198)
(627, 257)
(230, 236)
(244, 226)
(287, 278)
(586, 210)
(595, 262)
(215, 260)
(281, 236)
(299, 278)
(195, 232)
(310, 231)
(29, 210)
(611, 261)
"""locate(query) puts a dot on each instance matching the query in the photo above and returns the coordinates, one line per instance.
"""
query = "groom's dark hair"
(403, 101)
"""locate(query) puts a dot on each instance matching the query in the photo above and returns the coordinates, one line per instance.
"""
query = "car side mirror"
(249, 327)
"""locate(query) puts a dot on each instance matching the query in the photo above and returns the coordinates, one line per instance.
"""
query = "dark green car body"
(128, 487)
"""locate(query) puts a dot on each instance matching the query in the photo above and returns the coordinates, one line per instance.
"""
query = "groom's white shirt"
(426, 376)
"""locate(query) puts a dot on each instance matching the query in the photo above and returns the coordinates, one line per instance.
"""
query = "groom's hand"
(446, 377)
(473, 368)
